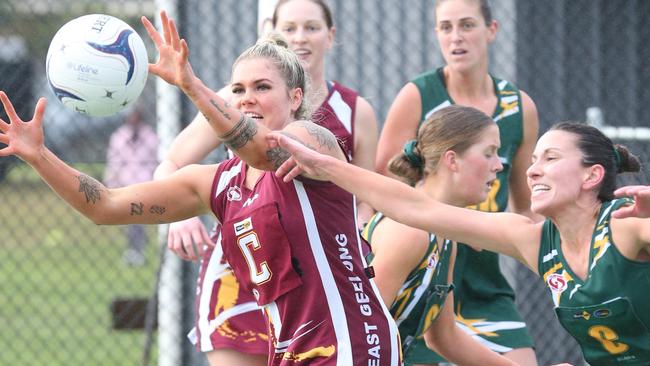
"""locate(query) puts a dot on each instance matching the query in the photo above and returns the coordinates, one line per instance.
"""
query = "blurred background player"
(131, 158)
(454, 160)
(465, 29)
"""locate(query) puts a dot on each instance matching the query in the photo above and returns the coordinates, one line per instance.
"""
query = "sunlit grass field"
(59, 273)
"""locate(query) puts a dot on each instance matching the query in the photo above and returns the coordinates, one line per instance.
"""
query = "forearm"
(386, 195)
(79, 190)
(240, 133)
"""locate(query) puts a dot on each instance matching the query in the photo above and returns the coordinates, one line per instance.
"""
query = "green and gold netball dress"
(608, 313)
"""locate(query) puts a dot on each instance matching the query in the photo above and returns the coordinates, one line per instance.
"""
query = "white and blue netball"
(97, 65)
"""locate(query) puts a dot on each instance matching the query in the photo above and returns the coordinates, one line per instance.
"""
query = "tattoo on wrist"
(137, 208)
(242, 133)
(90, 187)
(222, 111)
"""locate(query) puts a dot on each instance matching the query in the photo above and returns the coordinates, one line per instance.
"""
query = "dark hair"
(596, 148)
(484, 5)
(327, 13)
(275, 48)
(454, 128)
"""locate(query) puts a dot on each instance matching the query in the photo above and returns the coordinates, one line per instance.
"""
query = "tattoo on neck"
(240, 134)
(90, 187)
(223, 112)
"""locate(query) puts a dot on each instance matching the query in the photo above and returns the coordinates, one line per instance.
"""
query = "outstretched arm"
(507, 233)
(146, 203)
(237, 131)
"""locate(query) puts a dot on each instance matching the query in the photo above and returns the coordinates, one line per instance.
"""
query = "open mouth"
(253, 115)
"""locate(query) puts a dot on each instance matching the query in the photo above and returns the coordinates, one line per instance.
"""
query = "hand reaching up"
(23, 139)
(173, 54)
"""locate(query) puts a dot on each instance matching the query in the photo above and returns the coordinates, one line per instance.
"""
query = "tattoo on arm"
(223, 112)
(90, 187)
(323, 137)
(158, 210)
(241, 134)
(278, 155)
(137, 208)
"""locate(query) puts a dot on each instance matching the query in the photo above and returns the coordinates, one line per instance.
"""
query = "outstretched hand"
(173, 54)
(303, 160)
(641, 206)
(23, 139)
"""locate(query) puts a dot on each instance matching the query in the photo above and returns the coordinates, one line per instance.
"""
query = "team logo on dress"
(556, 282)
(234, 193)
(584, 315)
(243, 226)
(602, 313)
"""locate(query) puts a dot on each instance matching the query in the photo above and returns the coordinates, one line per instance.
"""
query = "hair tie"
(413, 158)
(617, 158)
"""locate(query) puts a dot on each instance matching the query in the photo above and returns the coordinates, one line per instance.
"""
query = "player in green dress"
(485, 302)
(454, 159)
(592, 249)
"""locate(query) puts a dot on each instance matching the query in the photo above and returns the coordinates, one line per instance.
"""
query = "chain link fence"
(68, 297)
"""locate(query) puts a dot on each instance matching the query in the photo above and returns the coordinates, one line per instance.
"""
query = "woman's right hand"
(24, 139)
(302, 160)
(188, 238)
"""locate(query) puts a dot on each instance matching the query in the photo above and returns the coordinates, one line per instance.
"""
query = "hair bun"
(628, 161)
(274, 38)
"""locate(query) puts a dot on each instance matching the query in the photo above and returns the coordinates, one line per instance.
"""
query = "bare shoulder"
(405, 241)
(365, 113)
(630, 236)
(315, 137)
(529, 109)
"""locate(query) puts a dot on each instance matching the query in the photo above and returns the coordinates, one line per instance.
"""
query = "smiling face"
(463, 34)
(302, 23)
(557, 175)
(261, 93)
(477, 167)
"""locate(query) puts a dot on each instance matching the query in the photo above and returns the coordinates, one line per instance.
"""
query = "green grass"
(59, 273)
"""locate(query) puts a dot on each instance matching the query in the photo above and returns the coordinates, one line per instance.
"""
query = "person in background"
(454, 160)
(228, 322)
(132, 157)
(485, 302)
(592, 250)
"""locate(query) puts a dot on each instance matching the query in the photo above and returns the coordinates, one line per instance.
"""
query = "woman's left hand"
(173, 61)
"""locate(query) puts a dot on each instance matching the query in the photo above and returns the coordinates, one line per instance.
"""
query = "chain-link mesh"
(70, 294)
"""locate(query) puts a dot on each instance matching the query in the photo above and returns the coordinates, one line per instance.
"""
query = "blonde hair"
(274, 47)
(454, 128)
